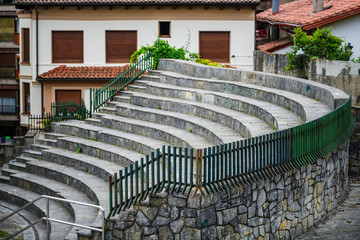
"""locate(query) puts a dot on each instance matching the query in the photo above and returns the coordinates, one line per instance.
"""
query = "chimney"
(318, 6)
(275, 6)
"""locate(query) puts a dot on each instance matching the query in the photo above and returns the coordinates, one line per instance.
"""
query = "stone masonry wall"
(354, 151)
(282, 207)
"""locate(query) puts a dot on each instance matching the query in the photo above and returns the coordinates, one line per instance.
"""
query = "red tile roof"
(20, 3)
(275, 45)
(81, 73)
(299, 13)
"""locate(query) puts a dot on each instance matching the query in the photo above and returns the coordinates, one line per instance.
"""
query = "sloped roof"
(300, 13)
(20, 3)
(275, 45)
(81, 73)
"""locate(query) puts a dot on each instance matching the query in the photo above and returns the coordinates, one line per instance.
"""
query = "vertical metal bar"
(47, 219)
(110, 193)
(116, 190)
(180, 169)
(174, 167)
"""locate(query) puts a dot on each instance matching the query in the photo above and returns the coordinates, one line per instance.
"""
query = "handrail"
(224, 166)
(48, 220)
(99, 96)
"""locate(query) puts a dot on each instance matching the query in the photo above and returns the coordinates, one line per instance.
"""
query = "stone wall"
(282, 207)
(338, 74)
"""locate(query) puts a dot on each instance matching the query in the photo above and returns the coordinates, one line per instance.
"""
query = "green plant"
(322, 44)
(79, 150)
(190, 130)
(209, 62)
(95, 139)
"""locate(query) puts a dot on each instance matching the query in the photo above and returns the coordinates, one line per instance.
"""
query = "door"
(215, 46)
(68, 95)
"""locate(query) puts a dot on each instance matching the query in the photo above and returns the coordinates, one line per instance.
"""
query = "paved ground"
(345, 224)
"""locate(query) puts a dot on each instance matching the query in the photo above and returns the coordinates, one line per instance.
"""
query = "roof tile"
(86, 73)
(300, 12)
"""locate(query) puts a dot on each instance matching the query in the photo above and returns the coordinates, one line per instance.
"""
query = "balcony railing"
(9, 109)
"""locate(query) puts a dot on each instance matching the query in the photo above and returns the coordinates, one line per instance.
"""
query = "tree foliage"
(322, 44)
(162, 49)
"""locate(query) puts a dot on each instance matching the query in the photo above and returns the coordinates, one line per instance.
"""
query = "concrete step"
(79, 214)
(137, 143)
(214, 132)
(153, 73)
(20, 197)
(32, 154)
(4, 179)
(276, 116)
(22, 220)
(124, 99)
(82, 162)
(93, 121)
(305, 107)
(17, 166)
(47, 142)
(171, 135)
(53, 136)
(98, 149)
(23, 159)
(245, 124)
(8, 172)
(96, 189)
(38, 147)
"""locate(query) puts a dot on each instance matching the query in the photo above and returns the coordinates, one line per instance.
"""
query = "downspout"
(37, 60)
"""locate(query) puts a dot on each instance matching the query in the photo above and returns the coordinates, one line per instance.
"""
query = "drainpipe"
(37, 60)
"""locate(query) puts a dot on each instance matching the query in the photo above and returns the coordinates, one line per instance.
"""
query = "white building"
(106, 32)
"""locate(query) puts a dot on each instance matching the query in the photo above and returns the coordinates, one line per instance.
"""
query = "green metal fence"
(59, 112)
(99, 96)
(222, 167)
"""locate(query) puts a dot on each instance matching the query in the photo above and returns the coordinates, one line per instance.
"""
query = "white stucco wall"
(349, 31)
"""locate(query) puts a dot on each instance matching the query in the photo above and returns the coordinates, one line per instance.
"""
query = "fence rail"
(60, 111)
(98, 96)
(221, 167)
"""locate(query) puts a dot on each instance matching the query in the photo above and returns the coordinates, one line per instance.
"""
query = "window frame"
(165, 36)
(25, 46)
(26, 93)
(80, 60)
(107, 60)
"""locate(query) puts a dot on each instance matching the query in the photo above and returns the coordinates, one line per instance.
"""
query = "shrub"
(209, 63)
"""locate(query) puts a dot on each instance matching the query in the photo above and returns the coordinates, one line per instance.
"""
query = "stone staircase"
(165, 107)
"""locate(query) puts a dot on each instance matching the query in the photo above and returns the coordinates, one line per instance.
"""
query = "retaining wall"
(282, 207)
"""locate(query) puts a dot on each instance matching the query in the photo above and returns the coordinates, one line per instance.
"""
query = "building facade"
(108, 32)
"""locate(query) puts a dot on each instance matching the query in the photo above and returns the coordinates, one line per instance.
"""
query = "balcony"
(8, 72)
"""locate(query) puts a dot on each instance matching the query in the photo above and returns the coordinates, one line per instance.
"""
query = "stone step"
(23, 159)
(20, 197)
(47, 142)
(122, 139)
(171, 135)
(152, 73)
(214, 132)
(82, 162)
(4, 179)
(32, 154)
(93, 121)
(8, 172)
(79, 214)
(22, 220)
(95, 148)
(53, 136)
(276, 116)
(124, 99)
(305, 107)
(38, 147)
(17, 166)
(135, 88)
(247, 125)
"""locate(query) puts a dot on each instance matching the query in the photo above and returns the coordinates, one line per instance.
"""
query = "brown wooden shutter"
(215, 46)
(68, 95)
(26, 45)
(67, 46)
(120, 45)
(7, 60)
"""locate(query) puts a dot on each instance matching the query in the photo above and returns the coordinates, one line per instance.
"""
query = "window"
(7, 26)
(7, 105)
(67, 46)
(26, 97)
(25, 45)
(120, 45)
(164, 29)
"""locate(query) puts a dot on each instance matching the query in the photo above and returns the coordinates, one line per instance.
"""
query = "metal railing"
(98, 96)
(221, 167)
(60, 111)
(47, 219)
